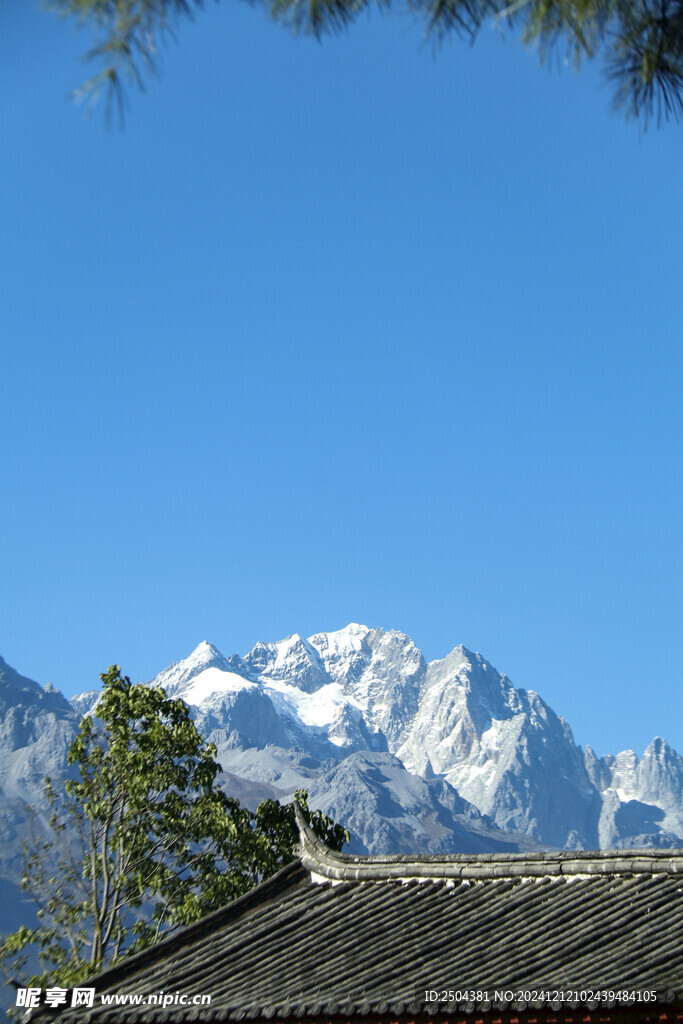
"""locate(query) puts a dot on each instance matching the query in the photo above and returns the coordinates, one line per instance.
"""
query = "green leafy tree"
(143, 841)
(641, 41)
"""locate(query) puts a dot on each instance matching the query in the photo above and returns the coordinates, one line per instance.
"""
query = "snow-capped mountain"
(355, 689)
(504, 750)
(410, 756)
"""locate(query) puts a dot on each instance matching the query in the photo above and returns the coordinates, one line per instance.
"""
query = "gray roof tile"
(370, 941)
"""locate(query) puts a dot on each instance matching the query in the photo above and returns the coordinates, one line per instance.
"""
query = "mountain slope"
(36, 729)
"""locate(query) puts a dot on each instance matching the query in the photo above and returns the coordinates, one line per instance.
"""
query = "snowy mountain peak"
(205, 651)
(176, 677)
(293, 659)
(205, 655)
(341, 642)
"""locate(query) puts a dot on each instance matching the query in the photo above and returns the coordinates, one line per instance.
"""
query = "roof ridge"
(325, 864)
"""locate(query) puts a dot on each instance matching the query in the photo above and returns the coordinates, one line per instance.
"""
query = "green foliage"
(641, 41)
(142, 841)
(278, 834)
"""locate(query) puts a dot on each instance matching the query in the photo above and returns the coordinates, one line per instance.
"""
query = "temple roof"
(334, 935)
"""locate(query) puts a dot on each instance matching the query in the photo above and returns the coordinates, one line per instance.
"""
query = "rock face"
(36, 729)
(387, 808)
(504, 750)
(642, 799)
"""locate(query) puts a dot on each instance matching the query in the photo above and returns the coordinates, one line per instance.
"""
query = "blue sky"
(351, 331)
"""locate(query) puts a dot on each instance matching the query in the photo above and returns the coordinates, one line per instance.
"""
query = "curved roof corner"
(325, 864)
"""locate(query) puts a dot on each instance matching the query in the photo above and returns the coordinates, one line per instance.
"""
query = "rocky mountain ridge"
(410, 755)
(503, 750)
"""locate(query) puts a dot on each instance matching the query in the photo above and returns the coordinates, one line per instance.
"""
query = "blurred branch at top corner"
(127, 38)
(639, 42)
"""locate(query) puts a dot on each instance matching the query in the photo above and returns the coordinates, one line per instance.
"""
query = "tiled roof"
(334, 935)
